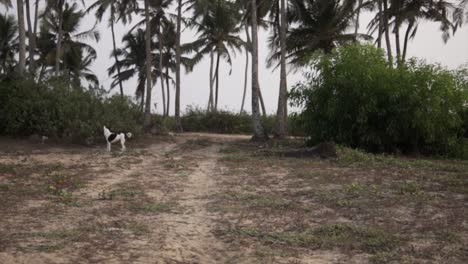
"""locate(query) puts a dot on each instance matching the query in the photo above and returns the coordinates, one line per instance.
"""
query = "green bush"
(353, 98)
(56, 110)
(226, 122)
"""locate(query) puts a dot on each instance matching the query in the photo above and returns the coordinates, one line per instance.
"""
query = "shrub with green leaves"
(58, 110)
(354, 98)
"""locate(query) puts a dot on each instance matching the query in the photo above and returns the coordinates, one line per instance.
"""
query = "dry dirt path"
(145, 206)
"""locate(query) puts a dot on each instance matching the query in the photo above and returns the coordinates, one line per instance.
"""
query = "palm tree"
(76, 55)
(320, 25)
(132, 62)
(282, 112)
(218, 33)
(8, 43)
(178, 123)
(259, 133)
(397, 13)
(263, 8)
(113, 6)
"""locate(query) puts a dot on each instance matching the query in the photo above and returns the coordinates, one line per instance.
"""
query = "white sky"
(428, 45)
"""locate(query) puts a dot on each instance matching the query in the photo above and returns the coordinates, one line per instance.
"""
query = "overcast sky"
(428, 45)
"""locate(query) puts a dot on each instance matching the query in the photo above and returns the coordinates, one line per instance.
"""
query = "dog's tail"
(129, 135)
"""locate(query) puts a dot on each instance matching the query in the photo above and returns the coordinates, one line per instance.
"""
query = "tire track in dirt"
(189, 237)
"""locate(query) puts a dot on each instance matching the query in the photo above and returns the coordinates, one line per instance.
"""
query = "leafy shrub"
(57, 110)
(353, 98)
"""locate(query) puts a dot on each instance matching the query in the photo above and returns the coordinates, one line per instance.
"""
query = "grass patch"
(253, 200)
(359, 158)
(155, 207)
(367, 239)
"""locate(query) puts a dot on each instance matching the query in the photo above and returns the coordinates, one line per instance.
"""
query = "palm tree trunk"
(379, 38)
(22, 38)
(147, 115)
(387, 33)
(210, 99)
(59, 38)
(160, 37)
(405, 45)
(32, 40)
(262, 103)
(281, 113)
(178, 123)
(397, 41)
(217, 83)
(115, 47)
(36, 12)
(245, 80)
(259, 133)
(358, 14)
(168, 92)
(247, 51)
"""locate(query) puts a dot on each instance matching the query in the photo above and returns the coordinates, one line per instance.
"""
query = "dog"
(115, 137)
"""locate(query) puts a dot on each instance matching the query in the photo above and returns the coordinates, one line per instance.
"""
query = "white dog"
(114, 137)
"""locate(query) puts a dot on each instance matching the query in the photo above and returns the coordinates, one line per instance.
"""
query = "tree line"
(49, 43)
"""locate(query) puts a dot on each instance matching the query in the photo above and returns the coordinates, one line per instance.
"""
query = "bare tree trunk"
(379, 38)
(217, 83)
(147, 115)
(59, 38)
(259, 133)
(247, 51)
(22, 38)
(405, 45)
(177, 99)
(161, 46)
(387, 33)
(281, 113)
(115, 47)
(168, 92)
(210, 99)
(32, 40)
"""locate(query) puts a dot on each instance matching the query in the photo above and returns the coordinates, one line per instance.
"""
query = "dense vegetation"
(57, 110)
(352, 97)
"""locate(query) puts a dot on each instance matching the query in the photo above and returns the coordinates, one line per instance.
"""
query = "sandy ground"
(200, 198)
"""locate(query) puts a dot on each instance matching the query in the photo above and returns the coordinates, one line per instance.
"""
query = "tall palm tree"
(218, 33)
(259, 133)
(178, 122)
(76, 55)
(132, 62)
(282, 112)
(8, 43)
(114, 6)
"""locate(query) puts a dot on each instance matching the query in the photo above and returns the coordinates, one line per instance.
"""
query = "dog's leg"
(108, 146)
(122, 142)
